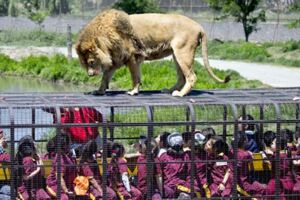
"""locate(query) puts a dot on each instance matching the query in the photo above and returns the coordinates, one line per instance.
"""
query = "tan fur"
(113, 39)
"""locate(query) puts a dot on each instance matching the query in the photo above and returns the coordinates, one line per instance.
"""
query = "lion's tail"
(205, 59)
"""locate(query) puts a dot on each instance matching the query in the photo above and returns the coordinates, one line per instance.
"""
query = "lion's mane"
(111, 32)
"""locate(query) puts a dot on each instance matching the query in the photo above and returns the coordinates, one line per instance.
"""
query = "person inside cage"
(202, 175)
(162, 142)
(269, 136)
(290, 138)
(142, 169)
(90, 170)
(80, 115)
(68, 170)
(208, 132)
(296, 162)
(254, 144)
(286, 173)
(246, 186)
(4, 156)
(219, 167)
(51, 150)
(175, 168)
(118, 175)
(187, 139)
(29, 172)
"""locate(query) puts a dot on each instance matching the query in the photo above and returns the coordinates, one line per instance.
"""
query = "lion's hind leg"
(185, 59)
(180, 77)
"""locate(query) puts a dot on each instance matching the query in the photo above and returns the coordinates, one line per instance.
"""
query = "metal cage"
(125, 117)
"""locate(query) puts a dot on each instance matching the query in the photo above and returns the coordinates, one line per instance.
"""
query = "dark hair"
(88, 150)
(50, 146)
(269, 136)
(219, 145)
(186, 136)
(250, 126)
(241, 140)
(289, 134)
(208, 132)
(26, 147)
(283, 140)
(64, 141)
(117, 151)
(164, 139)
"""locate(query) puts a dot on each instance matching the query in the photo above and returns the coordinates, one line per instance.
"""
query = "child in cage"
(51, 152)
(175, 168)
(254, 140)
(90, 169)
(68, 170)
(220, 170)
(142, 169)
(162, 142)
(187, 139)
(290, 139)
(296, 163)
(245, 185)
(201, 178)
(29, 175)
(118, 175)
(4, 156)
(286, 174)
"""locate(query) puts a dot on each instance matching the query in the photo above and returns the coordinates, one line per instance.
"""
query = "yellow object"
(207, 191)
(241, 191)
(81, 185)
(4, 173)
(258, 163)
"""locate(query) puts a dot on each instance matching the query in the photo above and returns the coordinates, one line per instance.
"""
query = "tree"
(244, 11)
(34, 12)
(12, 9)
(295, 8)
(4, 7)
(137, 6)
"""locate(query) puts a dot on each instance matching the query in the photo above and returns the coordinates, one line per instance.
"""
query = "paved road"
(276, 76)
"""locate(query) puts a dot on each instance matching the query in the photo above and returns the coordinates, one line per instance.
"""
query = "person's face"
(273, 145)
(208, 146)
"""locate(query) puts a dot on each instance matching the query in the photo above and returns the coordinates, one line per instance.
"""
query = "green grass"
(33, 37)
(282, 53)
(155, 75)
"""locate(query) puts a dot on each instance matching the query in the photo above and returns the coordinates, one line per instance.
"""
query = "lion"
(114, 39)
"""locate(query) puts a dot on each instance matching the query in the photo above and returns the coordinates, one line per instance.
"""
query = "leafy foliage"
(244, 11)
(156, 75)
(33, 11)
(4, 7)
(137, 6)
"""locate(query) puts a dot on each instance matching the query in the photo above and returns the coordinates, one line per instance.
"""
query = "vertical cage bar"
(297, 125)
(58, 133)
(224, 124)
(261, 126)
(33, 122)
(191, 109)
(150, 171)
(187, 117)
(277, 155)
(13, 194)
(104, 156)
(112, 119)
(235, 150)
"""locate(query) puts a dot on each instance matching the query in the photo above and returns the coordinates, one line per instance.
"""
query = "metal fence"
(124, 118)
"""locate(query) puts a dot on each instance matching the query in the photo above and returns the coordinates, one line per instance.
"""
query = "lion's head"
(93, 55)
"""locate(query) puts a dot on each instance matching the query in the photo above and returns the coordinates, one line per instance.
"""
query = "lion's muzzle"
(92, 72)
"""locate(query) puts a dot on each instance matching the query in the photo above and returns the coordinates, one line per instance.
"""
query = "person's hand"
(69, 192)
(221, 187)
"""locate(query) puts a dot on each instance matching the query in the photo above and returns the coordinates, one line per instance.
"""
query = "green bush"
(155, 75)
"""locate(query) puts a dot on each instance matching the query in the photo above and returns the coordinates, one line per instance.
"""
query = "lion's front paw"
(133, 92)
(176, 93)
(95, 93)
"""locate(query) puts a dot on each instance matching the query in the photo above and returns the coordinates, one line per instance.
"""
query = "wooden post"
(69, 42)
